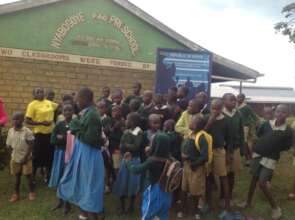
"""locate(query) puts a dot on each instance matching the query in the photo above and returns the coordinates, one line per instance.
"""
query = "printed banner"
(189, 68)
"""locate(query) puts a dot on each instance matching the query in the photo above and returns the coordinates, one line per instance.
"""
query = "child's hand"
(59, 136)
(127, 156)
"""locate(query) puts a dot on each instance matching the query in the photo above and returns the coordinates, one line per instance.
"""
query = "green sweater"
(60, 128)
(220, 132)
(236, 128)
(248, 115)
(196, 158)
(131, 142)
(87, 128)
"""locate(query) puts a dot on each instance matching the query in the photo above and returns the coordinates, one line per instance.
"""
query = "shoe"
(179, 215)
(32, 196)
(276, 213)
(14, 198)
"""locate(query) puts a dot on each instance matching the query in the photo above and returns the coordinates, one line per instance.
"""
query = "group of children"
(122, 146)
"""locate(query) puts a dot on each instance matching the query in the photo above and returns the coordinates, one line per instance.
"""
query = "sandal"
(14, 198)
(32, 196)
(291, 196)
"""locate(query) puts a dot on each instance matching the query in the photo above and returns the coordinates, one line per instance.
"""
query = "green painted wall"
(34, 29)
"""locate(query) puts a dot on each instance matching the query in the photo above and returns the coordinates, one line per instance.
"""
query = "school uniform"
(16, 139)
(144, 112)
(124, 107)
(220, 132)
(109, 104)
(155, 202)
(175, 144)
(236, 128)
(114, 135)
(58, 164)
(128, 184)
(194, 171)
(249, 119)
(83, 180)
(272, 140)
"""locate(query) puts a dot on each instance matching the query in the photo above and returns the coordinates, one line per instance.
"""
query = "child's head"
(84, 98)
(39, 94)
(133, 120)
(268, 113)
(216, 106)
(281, 113)
(169, 125)
(117, 96)
(155, 122)
(241, 98)
(18, 119)
(202, 97)
(158, 100)
(229, 101)
(102, 107)
(105, 92)
(136, 88)
(147, 97)
(134, 105)
(182, 92)
(197, 123)
(194, 106)
(67, 99)
(172, 94)
(50, 94)
(68, 111)
(117, 112)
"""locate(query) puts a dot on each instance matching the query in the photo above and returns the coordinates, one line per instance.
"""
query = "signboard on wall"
(179, 67)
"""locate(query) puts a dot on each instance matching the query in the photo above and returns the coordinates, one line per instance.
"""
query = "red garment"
(3, 115)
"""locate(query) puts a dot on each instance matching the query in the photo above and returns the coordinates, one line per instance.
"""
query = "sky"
(241, 30)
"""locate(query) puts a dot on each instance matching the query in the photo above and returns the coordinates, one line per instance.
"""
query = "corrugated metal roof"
(246, 71)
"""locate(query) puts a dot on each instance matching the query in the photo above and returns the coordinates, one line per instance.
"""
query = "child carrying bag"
(171, 176)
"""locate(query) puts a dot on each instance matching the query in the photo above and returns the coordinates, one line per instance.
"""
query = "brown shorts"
(219, 162)
(24, 169)
(193, 182)
(235, 162)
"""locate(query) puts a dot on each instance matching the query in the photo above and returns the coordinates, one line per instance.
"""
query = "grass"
(40, 209)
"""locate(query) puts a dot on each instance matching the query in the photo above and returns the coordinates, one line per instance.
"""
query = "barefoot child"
(59, 140)
(20, 140)
(237, 139)
(274, 137)
(83, 180)
(155, 202)
(194, 156)
(128, 184)
(218, 127)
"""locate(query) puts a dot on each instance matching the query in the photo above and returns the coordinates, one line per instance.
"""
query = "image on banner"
(178, 67)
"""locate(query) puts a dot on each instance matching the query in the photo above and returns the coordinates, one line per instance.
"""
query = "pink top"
(3, 115)
(69, 146)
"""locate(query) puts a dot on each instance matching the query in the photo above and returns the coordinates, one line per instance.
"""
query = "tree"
(287, 27)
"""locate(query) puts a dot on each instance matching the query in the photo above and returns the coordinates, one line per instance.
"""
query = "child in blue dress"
(59, 139)
(128, 184)
(155, 202)
(83, 180)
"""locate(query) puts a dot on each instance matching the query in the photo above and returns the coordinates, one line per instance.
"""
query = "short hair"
(18, 114)
(67, 106)
(86, 93)
(228, 94)
(67, 97)
(135, 104)
(155, 117)
(201, 122)
(134, 117)
(138, 84)
(242, 95)
(185, 89)
(217, 101)
(173, 88)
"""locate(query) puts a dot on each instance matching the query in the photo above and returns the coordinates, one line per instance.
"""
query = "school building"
(66, 44)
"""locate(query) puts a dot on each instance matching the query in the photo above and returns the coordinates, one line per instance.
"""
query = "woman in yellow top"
(40, 115)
